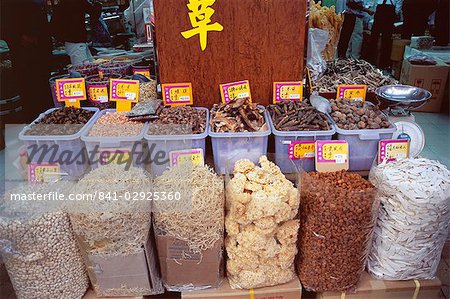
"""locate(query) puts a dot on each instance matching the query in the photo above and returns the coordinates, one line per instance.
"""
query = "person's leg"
(346, 33)
(356, 41)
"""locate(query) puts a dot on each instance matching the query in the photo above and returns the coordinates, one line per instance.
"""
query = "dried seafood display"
(298, 116)
(145, 110)
(238, 116)
(338, 213)
(413, 220)
(357, 115)
(179, 120)
(325, 18)
(115, 124)
(351, 71)
(261, 227)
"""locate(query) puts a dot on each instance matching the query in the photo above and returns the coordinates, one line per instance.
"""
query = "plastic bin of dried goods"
(113, 230)
(52, 82)
(95, 83)
(146, 67)
(338, 213)
(363, 143)
(161, 146)
(59, 143)
(120, 68)
(189, 227)
(112, 137)
(261, 224)
(250, 145)
(285, 141)
(38, 246)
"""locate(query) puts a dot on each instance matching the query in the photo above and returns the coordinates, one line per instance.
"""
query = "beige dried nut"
(252, 186)
(243, 166)
(267, 224)
(287, 255)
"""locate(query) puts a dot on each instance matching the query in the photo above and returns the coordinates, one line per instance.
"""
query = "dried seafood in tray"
(145, 110)
(179, 120)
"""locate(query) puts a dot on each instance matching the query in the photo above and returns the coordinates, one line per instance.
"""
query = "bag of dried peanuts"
(261, 225)
(338, 212)
(37, 243)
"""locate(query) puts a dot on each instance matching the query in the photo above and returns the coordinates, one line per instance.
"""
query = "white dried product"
(38, 246)
(261, 227)
(413, 221)
(115, 124)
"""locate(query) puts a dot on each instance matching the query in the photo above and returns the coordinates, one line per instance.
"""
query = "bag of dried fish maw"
(261, 225)
(413, 221)
(188, 224)
(38, 246)
(338, 212)
(111, 218)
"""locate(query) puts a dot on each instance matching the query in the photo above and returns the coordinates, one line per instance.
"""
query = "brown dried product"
(238, 116)
(62, 121)
(338, 213)
(351, 71)
(357, 115)
(115, 124)
(179, 120)
(298, 116)
(147, 90)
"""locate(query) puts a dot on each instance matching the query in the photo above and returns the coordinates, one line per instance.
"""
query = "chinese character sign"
(352, 92)
(200, 17)
(235, 90)
(392, 150)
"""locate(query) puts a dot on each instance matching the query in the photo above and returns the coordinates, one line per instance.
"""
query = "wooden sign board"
(256, 40)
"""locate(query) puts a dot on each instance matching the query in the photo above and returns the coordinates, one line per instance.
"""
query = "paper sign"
(177, 94)
(331, 155)
(353, 92)
(144, 72)
(124, 92)
(98, 93)
(287, 91)
(114, 156)
(43, 173)
(301, 150)
(194, 156)
(393, 150)
(235, 90)
(71, 91)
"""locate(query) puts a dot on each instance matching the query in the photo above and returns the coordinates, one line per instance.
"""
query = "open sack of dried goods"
(112, 221)
(338, 212)
(413, 220)
(38, 246)
(261, 225)
(188, 224)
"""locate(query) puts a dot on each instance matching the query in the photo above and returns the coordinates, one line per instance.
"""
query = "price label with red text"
(301, 150)
(177, 94)
(393, 150)
(124, 92)
(352, 92)
(331, 155)
(192, 156)
(235, 90)
(71, 91)
(287, 91)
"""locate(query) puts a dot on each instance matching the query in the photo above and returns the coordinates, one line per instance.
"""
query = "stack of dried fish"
(179, 120)
(298, 116)
(238, 116)
(351, 71)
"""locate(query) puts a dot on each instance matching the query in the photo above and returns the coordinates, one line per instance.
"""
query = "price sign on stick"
(71, 91)
(235, 90)
(287, 91)
(177, 94)
(98, 93)
(124, 92)
(393, 150)
(331, 155)
(352, 92)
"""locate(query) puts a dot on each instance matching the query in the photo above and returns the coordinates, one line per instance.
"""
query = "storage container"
(230, 147)
(101, 148)
(97, 89)
(167, 143)
(52, 82)
(283, 140)
(120, 68)
(69, 149)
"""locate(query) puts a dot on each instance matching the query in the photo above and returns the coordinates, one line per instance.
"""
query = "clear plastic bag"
(338, 212)
(413, 221)
(317, 41)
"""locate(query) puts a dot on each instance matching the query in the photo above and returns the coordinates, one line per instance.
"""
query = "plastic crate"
(168, 143)
(52, 82)
(96, 146)
(283, 140)
(230, 147)
(65, 143)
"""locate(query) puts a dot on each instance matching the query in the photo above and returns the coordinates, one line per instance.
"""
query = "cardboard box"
(290, 290)
(90, 294)
(371, 288)
(182, 267)
(430, 77)
(398, 49)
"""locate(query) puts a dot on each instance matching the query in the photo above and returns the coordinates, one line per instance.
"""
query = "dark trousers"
(346, 34)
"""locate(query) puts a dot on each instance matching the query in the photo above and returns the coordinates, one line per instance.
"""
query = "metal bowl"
(402, 96)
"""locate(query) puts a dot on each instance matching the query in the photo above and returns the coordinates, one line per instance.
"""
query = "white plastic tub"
(284, 138)
(230, 147)
(122, 146)
(69, 148)
(161, 146)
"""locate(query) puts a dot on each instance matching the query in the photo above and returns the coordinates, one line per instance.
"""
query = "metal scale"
(400, 100)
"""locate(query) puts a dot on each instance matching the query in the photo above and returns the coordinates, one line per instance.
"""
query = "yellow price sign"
(43, 173)
(287, 91)
(192, 156)
(71, 91)
(334, 151)
(235, 90)
(393, 149)
(114, 156)
(144, 72)
(177, 94)
(124, 92)
(301, 150)
(352, 92)
(98, 93)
